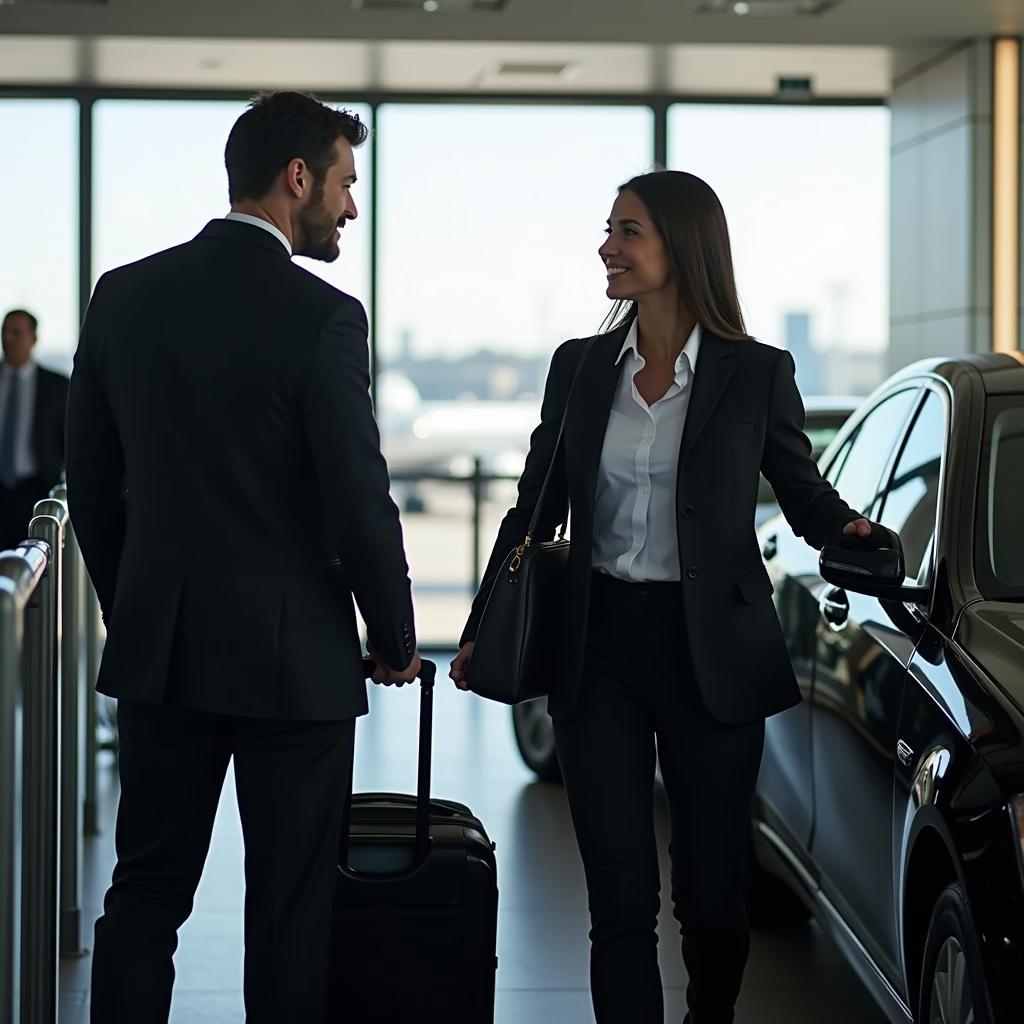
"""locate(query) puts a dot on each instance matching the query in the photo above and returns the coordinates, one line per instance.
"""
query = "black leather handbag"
(520, 632)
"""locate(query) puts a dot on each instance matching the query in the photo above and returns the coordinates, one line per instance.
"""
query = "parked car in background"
(890, 802)
(531, 724)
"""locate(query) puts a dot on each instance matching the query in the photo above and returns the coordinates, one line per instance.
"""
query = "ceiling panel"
(870, 22)
(456, 67)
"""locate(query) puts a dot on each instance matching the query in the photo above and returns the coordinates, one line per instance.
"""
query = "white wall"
(941, 188)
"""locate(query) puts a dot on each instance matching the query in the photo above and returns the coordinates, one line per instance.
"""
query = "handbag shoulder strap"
(538, 508)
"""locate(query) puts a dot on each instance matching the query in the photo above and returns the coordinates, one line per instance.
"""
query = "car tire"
(770, 903)
(535, 738)
(953, 987)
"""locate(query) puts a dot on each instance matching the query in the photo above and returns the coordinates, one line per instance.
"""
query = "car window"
(838, 462)
(866, 456)
(910, 500)
(1000, 553)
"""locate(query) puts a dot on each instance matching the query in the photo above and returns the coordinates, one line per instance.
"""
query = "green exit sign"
(792, 87)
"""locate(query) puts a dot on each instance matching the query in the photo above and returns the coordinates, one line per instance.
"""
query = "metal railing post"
(20, 573)
(91, 625)
(478, 497)
(70, 736)
(41, 775)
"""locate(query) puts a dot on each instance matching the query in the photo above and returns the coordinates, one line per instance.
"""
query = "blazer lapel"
(715, 366)
(592, 401)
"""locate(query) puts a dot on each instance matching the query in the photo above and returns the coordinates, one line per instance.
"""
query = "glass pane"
(806, 194)
(159, 178)
(490, 221)
(1004, 500)
(837, 463)
(859, 480)
(39, 214)
(910, 502)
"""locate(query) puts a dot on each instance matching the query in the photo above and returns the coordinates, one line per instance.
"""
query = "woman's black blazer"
(745, 417)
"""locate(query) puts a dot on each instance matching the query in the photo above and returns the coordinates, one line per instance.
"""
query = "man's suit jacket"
(227, 487)
(48, 425)
(745, 416)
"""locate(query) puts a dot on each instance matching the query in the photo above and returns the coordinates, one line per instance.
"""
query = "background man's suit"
(229, 495)
(47, 447)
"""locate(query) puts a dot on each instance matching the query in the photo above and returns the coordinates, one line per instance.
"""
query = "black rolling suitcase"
(416, 909)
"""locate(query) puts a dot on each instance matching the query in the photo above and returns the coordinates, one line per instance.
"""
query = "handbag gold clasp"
(517, 559)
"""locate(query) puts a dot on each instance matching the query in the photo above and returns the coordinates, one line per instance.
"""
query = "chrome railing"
(476, 482)
(46, 674)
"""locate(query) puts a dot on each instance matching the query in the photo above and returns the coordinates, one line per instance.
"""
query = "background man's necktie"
(9, 433)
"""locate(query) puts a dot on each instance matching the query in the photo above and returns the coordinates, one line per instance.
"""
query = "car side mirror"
(877, 569)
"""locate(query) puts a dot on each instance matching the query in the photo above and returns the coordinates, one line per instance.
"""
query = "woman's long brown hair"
(690, 219)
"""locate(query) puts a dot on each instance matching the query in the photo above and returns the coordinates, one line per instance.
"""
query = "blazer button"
(687, 511)
(691, 573)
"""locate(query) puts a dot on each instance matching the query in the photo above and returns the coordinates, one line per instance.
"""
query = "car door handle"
(771, 547)
(835, 608)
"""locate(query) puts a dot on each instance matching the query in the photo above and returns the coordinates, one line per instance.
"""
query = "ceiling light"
(431, 6)
(767, 8)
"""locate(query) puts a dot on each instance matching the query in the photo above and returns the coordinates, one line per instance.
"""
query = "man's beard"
(317, 226)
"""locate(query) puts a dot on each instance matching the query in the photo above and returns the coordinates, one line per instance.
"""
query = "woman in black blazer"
(671, 639)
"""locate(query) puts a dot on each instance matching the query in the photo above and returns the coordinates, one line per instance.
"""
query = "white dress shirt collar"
(259, 222)
(27, 372)
(687, 357)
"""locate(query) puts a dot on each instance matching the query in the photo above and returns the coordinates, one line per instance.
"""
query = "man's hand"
(461, 664)
(383, 673)
(858, 528)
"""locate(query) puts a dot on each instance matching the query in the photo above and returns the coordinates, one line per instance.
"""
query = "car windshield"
(999, 549)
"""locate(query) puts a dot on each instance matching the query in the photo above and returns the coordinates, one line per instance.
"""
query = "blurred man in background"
(32, 403)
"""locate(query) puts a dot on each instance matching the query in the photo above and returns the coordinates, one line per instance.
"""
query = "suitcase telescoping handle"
(427, 676)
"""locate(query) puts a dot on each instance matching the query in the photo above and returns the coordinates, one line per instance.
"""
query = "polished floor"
(794, 977)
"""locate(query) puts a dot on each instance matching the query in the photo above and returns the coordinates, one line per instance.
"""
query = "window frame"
(847, 438)
(988, 584)
(926, 573)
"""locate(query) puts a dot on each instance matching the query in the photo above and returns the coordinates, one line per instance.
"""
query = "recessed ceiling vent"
(767, 8)
(549, 69)
(432, 6)
(53, 3)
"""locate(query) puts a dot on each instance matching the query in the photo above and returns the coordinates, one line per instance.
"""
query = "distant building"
(805, 355)
(484, 375)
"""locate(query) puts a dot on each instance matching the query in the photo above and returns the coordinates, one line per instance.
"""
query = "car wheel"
(535, 737)
(952, 981)
(770, 903)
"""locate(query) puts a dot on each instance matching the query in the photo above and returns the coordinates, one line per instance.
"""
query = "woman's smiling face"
(634, 253)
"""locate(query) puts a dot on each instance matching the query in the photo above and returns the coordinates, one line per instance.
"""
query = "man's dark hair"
(279, 127)
(32, 321)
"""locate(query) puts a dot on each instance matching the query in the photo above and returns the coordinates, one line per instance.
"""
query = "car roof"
(1001, 373)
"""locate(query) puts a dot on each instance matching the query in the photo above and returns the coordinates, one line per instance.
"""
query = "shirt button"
(687, 511)
(691, 573)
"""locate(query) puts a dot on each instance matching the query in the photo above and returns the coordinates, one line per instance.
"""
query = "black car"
(890, 800)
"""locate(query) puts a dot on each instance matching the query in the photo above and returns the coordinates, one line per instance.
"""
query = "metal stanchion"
(41, 775)
(20, 574)
(478, 497)
(70, 737)
(91, 625)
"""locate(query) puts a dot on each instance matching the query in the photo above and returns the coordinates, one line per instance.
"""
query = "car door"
(785, 785)
(863, 649)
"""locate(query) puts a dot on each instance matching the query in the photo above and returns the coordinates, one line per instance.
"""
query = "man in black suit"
(230, 498)
(32, 403)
